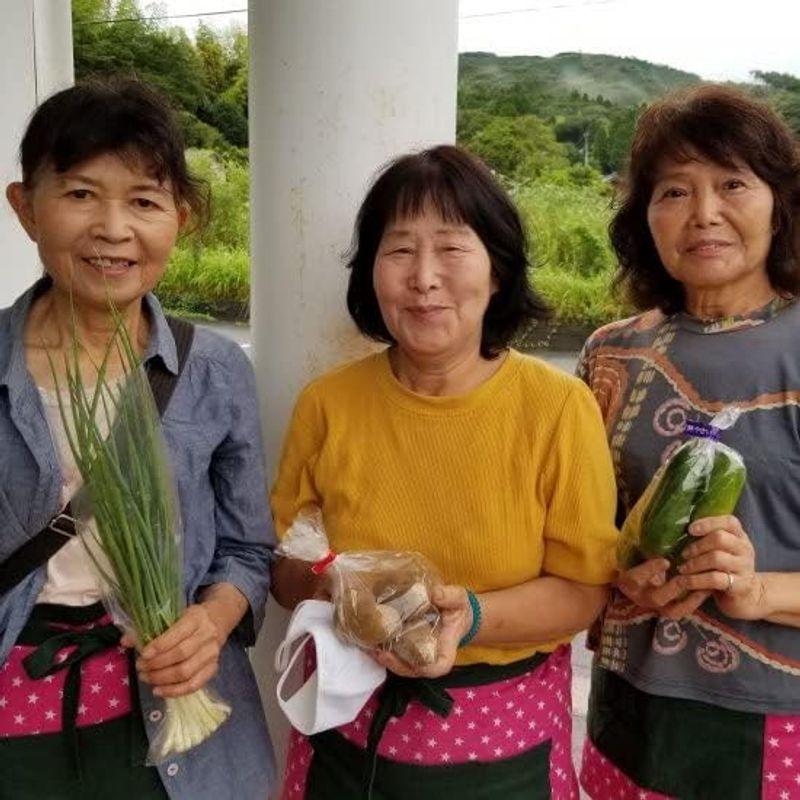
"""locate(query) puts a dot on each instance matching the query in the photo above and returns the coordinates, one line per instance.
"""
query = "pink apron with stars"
(648, 747)
(64, 674)
(481, 732)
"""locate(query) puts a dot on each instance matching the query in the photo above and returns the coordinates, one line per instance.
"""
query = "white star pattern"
(49, 678)
(787, 762)
(109, 667)
(95, 687)
(784, 795)
(789, 727)
(19, 719)
(773, 742)
(16, 683)
(50, 715)
(82, 709)
(113, 702)
(772, 777)
(485, 723)
(33, 699)
(3, 702)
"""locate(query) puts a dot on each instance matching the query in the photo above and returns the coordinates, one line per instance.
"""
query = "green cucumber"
(670, 510)
(725, 485)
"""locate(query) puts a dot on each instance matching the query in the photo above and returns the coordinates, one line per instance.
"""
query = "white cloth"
(344, 679)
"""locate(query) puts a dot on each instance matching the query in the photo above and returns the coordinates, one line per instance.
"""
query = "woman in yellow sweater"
(490, 462)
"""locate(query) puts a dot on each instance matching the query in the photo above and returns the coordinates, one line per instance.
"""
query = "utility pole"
(586, 148)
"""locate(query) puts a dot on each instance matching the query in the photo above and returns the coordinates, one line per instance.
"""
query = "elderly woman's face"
(712, 225)
(104, 228)
(433, 280)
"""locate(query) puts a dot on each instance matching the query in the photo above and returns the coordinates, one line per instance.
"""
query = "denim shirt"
(214, 443)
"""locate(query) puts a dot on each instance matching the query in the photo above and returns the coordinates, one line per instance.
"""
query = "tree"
(520, 148)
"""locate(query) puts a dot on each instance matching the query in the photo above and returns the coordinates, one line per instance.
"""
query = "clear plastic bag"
(702, 478)
(127, 515)
(382, 599)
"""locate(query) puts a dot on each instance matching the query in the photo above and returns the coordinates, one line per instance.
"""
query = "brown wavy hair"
(726, 126)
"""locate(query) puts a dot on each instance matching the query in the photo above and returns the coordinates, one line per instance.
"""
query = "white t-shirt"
(72, 578)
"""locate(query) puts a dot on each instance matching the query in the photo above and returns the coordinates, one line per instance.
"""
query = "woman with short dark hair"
(491, 463)
(695, 690)
(105, 192)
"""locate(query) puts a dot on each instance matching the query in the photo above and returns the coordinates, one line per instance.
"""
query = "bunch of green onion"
(129, 492)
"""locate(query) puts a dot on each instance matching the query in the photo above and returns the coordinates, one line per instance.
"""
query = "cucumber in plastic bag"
(703, 478)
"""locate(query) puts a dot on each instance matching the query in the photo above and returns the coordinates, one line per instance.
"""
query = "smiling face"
(712, 226)
(104, 228)
(433, 281)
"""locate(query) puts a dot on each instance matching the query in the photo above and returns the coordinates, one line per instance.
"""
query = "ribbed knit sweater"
(495, 487)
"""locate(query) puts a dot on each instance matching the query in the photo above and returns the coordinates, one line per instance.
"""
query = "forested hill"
(624, 81)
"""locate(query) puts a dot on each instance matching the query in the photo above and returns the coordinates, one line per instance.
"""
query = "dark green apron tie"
(393, 701)
(44, 661)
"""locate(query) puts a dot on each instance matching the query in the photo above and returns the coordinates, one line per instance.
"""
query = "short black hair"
(112, 115)
(461, 189)
(725, 125)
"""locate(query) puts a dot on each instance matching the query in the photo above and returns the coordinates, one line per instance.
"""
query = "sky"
(716, 39)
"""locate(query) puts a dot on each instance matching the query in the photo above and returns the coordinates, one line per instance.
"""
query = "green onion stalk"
(128, 490)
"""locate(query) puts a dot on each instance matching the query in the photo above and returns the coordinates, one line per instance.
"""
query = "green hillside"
(622, 81)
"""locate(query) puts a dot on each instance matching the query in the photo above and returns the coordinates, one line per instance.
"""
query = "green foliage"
(208, 280)
(206, 79)
(230, 208)
(567, 226)
(519, 147)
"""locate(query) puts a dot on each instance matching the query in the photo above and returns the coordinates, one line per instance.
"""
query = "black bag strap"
(44, 545)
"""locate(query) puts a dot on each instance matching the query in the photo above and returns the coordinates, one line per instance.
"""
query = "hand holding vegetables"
(722, 549)
(722, 561)
(382, 599)
(455, 621)
(186, 656)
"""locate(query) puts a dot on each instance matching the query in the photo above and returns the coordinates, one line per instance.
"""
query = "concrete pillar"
(35, 61)
(336, 89)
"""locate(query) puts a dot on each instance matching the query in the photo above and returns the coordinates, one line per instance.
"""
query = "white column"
(336, 89)
(35, 61)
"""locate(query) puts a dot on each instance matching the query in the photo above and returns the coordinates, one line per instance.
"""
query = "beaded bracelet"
(477, 618)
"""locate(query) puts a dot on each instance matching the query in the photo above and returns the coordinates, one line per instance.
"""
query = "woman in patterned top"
(696, 684)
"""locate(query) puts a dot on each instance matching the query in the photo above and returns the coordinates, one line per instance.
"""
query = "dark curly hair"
(726, 126)
(112, 115)
(461, 189)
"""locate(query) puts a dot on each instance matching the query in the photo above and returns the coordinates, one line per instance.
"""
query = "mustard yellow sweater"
(495, 487)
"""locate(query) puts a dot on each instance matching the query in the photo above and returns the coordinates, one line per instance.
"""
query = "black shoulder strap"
(42, 547)
(162, 381)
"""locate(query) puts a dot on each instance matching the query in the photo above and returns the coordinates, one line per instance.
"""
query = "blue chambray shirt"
(214, 442)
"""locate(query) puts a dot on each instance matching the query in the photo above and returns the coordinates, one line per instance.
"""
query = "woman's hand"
(722, 561)
(455, 622)
(185, 657)
(646, 585)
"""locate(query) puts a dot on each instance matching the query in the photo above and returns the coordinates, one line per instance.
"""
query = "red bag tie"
(320, 566)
